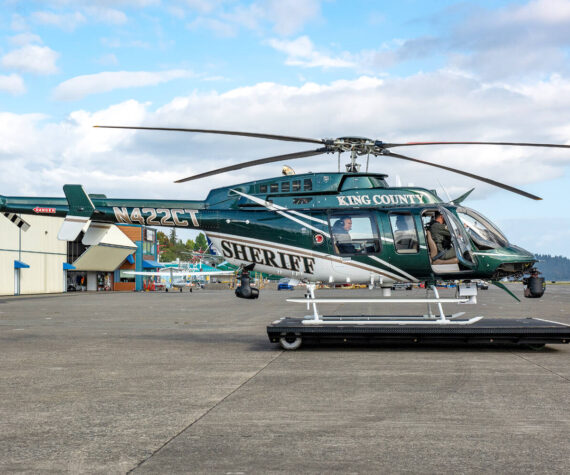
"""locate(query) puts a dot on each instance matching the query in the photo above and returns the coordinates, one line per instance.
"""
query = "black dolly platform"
(535, 332)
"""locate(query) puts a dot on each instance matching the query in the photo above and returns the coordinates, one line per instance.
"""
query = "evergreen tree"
(201, 243)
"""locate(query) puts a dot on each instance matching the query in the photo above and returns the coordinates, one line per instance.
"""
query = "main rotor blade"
(252, 163)
(519, 144)
(285, 138)
(470, 175)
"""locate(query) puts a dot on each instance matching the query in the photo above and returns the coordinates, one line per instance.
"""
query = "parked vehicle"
(402, 286)
(286, 284)
(482, 285)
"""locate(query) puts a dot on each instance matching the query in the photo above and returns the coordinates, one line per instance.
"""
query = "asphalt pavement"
(189, 383)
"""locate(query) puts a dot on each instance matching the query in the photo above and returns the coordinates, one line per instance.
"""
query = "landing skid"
(427, 319)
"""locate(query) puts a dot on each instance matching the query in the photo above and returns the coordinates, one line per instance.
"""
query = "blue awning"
(67, 266)
(20, 265)
(130, 259)
(151, 264)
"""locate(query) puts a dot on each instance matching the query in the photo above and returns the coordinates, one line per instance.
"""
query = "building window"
(307, 184)
(148, 248)
(274, 187)
(123, 277)
(296, 185)
(285, 186)
(263, 188)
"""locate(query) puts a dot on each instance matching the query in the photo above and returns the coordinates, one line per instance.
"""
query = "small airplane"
(176, 278)
(332, 227)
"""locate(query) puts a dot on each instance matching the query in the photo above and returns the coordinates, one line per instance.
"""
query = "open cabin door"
(463, 260)
(460, 239)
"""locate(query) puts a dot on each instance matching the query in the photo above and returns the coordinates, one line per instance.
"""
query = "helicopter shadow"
(425, 347)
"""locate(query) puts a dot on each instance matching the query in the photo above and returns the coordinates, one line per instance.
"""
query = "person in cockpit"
(441, 237)
(341, 231)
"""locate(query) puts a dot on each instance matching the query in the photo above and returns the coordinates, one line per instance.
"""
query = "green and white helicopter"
(296, 225)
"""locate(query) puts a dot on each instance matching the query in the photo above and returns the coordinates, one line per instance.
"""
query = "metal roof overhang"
(151, 264)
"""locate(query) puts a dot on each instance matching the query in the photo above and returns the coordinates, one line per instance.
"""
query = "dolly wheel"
(290, 341)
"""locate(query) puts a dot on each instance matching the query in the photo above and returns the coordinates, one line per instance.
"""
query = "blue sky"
(394, 71)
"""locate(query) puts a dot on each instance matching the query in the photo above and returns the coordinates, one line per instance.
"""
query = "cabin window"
(285, 187)
(274, 187)
(296, 185)
(360, 182)
(263, 188)
(354, 233)
(307, 184)
(405, 233)
(302, 201)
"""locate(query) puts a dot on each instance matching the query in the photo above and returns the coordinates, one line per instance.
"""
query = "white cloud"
(32, 59)
(81, 86)
(39, 155)
(108, 60)
(284, 17)
(25, 39)
(289, 16)
(203, 6)
(12, 84)
(64, 21)
(301, 52)
(543, 11)
(109, 16)
(220, 28)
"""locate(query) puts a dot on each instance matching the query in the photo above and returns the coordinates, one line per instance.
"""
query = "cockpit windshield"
(484, 234)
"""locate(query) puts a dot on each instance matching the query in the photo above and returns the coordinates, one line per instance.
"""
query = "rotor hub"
(356, 146)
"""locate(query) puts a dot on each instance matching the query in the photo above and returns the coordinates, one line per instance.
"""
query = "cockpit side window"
(354, 233)
(404, 232)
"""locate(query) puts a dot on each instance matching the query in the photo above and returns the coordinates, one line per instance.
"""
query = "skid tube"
(427, 319)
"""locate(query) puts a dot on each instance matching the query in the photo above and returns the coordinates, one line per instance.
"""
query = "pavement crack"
(541, 366)
(174, 437)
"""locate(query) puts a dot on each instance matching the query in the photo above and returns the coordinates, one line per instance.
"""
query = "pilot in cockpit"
(441, 237)
(342, 236)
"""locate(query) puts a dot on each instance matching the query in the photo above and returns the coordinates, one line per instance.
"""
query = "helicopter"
(328, 227)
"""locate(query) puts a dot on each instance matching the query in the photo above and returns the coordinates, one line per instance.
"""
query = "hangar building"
(37, 262)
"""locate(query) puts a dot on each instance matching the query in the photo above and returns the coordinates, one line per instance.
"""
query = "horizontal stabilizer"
(95, 233)
(17, 221)
(71, 227)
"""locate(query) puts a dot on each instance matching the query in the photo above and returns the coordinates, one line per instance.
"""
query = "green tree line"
(172, 248)
(553, 267)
